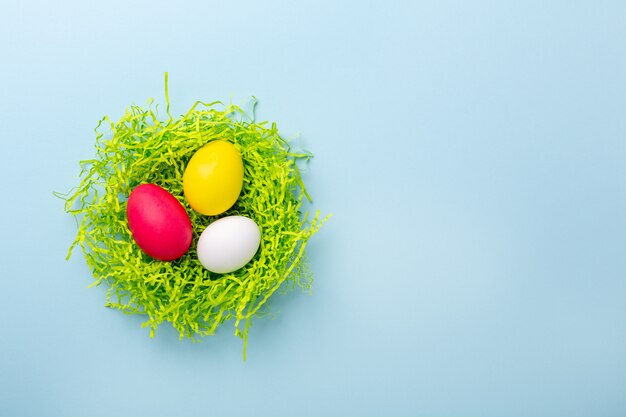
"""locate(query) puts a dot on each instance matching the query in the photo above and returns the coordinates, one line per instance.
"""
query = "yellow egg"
(213, 178)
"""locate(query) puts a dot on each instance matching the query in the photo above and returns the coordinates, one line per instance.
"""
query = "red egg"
(159, 223)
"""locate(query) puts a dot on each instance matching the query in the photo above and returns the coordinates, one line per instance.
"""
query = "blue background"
(473, 154)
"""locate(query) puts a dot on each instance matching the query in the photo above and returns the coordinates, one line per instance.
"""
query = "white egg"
(228, 244)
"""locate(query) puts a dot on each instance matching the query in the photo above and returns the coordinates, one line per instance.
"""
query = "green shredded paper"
(139, 148)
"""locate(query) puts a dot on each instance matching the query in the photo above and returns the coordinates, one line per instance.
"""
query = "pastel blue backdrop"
(473, 154)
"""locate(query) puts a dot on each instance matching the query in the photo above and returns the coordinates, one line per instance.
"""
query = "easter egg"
(158, 222)
(228, 244)
(213, 178)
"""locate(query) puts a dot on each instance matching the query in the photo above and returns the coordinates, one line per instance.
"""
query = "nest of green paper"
(138, 149)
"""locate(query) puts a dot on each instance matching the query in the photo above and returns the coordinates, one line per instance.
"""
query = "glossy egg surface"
(228, 244)
(158, 222)
(213, 178)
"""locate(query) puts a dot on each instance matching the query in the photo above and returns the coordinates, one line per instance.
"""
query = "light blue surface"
(473, 154)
